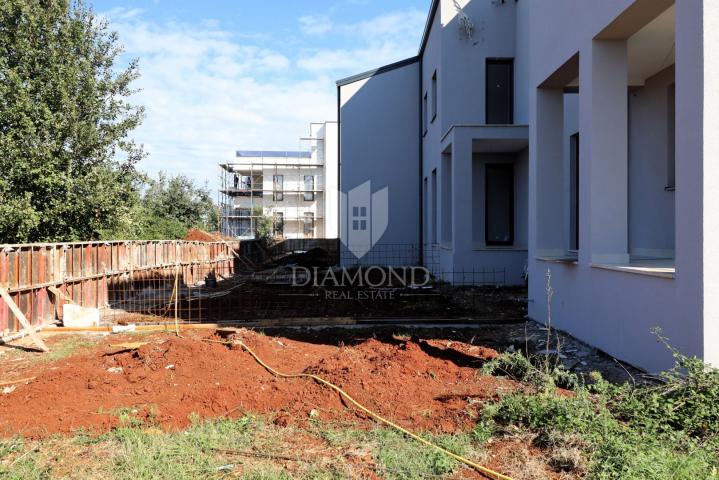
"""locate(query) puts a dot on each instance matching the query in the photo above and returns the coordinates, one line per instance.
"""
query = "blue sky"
(218, 76)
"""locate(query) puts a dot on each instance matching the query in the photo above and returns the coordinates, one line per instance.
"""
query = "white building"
(571, 135)
(296, 190)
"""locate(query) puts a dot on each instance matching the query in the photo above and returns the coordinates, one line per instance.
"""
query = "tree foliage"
(165, 209)
(67, 163)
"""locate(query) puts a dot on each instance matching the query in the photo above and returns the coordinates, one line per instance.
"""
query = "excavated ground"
(425, 384)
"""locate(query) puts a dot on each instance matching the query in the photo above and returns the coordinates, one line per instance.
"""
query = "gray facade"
(379, 118)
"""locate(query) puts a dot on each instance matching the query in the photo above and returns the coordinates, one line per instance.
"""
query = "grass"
(248, 447)
(65, 348)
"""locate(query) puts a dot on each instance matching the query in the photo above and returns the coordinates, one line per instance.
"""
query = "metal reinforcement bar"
(85, 272)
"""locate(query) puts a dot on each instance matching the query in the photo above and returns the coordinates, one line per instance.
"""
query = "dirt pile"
(426, 385)
(199, 235)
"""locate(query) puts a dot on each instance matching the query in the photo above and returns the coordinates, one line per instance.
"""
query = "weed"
(670, 430)
(338, 435)
(65, 348)
(404, 458)
(522, 369)
(17, 461)
(483, 431)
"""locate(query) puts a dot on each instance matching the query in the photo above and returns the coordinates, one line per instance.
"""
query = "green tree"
(180, 198)
(67, 165)
(264, 227)
(165, 209)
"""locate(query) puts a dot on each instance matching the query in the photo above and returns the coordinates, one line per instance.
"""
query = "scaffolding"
(288, 187)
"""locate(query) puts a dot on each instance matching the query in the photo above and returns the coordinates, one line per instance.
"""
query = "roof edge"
(273, 153)
(428, 26)
(377, 71)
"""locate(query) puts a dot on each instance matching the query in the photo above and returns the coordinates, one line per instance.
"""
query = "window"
(244, 223)
(433, 222)
(499, 93)
(359, 218)
(671, 130)
(499, 204)
(279, 224)
(446, 180)
(309, 224)
(434, 96)
(574, 192)
(425, 211)
(425, 114)
(309, 194)
(245, 182)
(278, 188)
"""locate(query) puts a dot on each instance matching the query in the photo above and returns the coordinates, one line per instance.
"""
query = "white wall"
(331, 180)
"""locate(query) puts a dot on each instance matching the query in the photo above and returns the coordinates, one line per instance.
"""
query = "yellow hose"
(484, 470)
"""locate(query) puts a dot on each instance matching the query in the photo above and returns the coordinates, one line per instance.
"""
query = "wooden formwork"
(85, 272)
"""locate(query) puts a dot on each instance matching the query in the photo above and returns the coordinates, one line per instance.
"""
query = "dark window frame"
(498, 61)
(435, 205)
(279, 224)
(487, 241)
(574, 140)
(278, 195)
(309, 220)
(309, 194)
(425, 114)
(245, 182)
(671, 139)
(434, 102)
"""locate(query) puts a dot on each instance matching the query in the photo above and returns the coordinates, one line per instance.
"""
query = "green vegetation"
(165, 209)
(65, 348)
(67, 158)
(668, 429)
(265, 227)
(67, 163)
(250, 447)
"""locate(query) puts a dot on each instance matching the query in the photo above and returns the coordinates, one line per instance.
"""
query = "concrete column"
(549, 203)
(603, 76)
(462, 193)
(692, 21)
(697, 173)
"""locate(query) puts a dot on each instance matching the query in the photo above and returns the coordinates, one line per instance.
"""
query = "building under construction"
(296, 192)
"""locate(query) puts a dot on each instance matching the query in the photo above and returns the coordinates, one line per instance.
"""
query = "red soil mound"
(199, 235)
(426, 385)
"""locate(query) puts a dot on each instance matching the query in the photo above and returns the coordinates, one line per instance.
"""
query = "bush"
(670, 430)
(520, 368)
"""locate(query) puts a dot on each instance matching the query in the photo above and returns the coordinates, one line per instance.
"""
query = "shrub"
(666, 430)
(520, 368)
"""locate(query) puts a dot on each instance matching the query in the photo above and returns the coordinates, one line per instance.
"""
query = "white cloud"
(207, 95)
(378, 41)
(209, 92)
(315, 25)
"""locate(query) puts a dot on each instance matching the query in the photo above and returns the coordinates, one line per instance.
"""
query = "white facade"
(595, 166)
(297, 190)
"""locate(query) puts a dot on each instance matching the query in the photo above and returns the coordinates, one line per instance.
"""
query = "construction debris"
(77, 316)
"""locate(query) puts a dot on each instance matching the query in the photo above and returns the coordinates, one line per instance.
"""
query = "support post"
(21, 317)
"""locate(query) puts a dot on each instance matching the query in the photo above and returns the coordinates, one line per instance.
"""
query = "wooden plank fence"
(85, 272)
